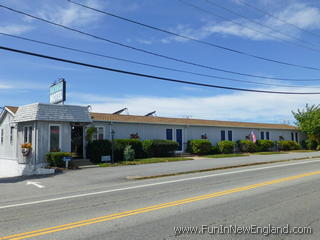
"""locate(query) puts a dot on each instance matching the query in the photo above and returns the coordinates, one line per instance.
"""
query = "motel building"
(49, 127)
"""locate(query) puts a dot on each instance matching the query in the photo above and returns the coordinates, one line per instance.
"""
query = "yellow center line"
(148, 209)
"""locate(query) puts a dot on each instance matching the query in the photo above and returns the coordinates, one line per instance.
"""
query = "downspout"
(35, 146)
(110, 131)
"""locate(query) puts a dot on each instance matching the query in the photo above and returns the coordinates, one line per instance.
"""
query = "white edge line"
(151, 184)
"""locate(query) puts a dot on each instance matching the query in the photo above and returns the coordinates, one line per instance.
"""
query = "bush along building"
(28, 133)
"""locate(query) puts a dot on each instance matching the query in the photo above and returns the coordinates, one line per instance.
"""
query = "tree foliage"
(308, 120)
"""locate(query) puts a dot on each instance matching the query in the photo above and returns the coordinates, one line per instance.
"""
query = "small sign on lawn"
(106, 158)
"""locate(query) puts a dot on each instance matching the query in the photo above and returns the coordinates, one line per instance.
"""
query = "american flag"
(253, 136)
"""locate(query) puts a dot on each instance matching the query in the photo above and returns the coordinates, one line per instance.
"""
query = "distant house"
(51, 127)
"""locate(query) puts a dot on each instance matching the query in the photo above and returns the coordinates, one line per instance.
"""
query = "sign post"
(58, 92)
(67, 160)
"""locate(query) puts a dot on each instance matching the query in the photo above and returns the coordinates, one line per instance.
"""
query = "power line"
(197, 40)
(151, 65)
(149, 76)
(149, 52)
(156, 54)
(275, 17)
(266, 26)
(234, 22)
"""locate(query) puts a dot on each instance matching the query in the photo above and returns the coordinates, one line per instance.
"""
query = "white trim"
(103, 131)
(28, 126)
(60, 135)
(10, 111)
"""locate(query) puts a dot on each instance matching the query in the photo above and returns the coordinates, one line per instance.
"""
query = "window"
(262, 135)
(267, 135)
(179, 138)
(1, 136)
(230, 135)
(297, 137)
(54, 138)
(27, 134)
(169, 134)
(223, 135)
(99, 134)
(11, 134)
(292, 136)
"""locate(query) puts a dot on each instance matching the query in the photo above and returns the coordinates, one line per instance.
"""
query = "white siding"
(158, 131)
(7, 148)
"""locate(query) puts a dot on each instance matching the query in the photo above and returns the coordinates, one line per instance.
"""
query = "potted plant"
(134, 136)
(26, 149)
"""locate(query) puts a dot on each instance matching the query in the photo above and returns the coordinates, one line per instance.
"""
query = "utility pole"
(112, 146)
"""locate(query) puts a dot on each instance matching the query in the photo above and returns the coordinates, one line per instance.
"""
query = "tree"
(308, 120)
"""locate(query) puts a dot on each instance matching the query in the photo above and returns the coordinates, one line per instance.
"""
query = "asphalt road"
(84, 180)
(276, 194)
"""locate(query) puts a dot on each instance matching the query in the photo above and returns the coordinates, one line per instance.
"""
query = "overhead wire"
(194, 39)
(276, 17)
(235, 22)
(264, 25)
(146, 51)
(149, 65)
(150, 76)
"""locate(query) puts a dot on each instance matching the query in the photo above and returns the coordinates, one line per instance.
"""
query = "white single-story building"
(50, 127)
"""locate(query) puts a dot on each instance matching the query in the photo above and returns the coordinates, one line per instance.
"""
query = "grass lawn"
(248, 154)
(226, 155)
(146, 161)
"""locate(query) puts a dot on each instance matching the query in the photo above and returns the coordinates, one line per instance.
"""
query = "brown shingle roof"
(185, 121)
(12, 109)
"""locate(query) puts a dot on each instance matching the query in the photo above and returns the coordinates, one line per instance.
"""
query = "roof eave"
(192, 124)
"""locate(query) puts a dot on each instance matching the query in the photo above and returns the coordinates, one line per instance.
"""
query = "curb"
(215, 169)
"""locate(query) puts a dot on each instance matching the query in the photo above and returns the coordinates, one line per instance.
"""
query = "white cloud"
(15, 29)
(238, 106)
(9, 85)
(145, 42)
(71, 15)
(5, 86)
(299, 14)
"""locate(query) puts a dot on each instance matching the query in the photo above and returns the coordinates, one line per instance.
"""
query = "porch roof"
(51, 112)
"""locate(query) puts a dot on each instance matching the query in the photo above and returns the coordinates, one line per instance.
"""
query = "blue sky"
(25, 79)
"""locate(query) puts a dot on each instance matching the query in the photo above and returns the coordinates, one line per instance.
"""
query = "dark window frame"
(230, 135)
(223, 135)
(169, 134)
(262, 135)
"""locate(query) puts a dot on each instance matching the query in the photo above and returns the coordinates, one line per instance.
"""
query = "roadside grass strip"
(110, 217)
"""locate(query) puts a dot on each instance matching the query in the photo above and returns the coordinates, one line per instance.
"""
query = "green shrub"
(288, 145)
(215, 150)
(264, 145)
(159, 148)
(120, 144)
(128, 153)
(98, 148)
(55, 159)
(226, 146)
(311, 144)
(247, 146)
(199, 146)
(303, 144)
